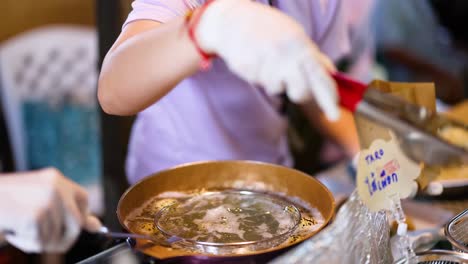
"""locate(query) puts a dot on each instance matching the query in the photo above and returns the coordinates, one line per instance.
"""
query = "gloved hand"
(427, 184)
(264, 46)
(42, 211)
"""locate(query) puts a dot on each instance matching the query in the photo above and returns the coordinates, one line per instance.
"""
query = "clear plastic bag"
(356, 235)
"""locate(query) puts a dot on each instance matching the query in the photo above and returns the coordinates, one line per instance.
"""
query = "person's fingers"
(323, 89)
(326, 62)
(72, 208)
(92, 224)
(434, 188)
(414, 189)
(296, 83)
(81, 198)
(77, 195)
(271, 75)
(72, 220)
(55, 218)
(44, 226)
(72, 231)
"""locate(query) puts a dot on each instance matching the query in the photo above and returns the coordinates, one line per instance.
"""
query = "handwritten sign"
(383, 170)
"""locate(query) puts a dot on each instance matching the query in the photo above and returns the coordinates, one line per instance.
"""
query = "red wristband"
(191, 22)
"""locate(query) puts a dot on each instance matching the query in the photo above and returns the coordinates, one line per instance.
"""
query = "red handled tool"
(350, 91)
(417, 128)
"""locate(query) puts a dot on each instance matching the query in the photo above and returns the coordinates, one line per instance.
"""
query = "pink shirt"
(215, 115)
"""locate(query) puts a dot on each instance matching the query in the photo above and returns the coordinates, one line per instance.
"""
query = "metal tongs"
(416, 128)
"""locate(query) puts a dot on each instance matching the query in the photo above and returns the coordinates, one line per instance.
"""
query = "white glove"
(264, 46)
(42, 211)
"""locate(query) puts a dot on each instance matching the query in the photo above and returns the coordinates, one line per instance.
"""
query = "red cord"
(192, 22)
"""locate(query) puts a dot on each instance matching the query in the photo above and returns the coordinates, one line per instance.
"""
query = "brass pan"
(220, 175)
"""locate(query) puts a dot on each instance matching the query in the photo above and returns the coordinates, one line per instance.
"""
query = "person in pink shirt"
(232, 109)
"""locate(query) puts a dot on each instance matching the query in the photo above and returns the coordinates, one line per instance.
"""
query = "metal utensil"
(105, 231)
(415, 127)
(160, 241)
(456, 232)
(437, 257)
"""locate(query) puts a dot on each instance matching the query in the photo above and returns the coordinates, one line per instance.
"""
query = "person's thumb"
(92, 224)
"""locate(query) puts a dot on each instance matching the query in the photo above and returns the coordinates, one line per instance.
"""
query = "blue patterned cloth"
(67, 137)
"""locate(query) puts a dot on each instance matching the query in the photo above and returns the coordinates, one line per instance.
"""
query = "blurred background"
(50, 55)
(50, 52)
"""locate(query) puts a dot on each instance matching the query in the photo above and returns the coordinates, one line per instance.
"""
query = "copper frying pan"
(219, 175)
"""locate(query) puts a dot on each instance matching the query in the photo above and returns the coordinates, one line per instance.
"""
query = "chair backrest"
(48, 64)
(48, 80)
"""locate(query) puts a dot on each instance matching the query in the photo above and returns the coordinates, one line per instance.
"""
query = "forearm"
(141, 69)
(343, 131)
(449, 87)
(413, 62)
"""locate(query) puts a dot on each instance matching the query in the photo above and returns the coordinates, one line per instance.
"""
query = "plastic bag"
(356, 235)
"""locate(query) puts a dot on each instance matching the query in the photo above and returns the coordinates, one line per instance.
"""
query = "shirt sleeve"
(334, 39)
(156, 10)
(390, 22)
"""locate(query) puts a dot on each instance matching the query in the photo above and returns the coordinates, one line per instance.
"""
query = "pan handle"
(163, 242)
